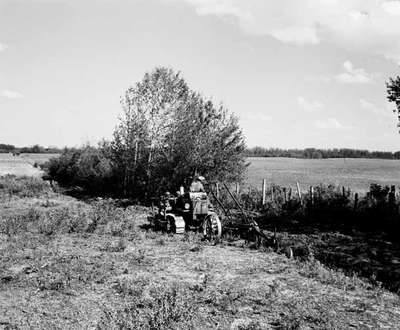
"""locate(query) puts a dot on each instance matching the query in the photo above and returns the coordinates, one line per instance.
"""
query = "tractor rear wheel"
(212, 227)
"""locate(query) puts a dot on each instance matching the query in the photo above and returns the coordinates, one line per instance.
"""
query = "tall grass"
(150, 307)
(102, 218)
(23, 186)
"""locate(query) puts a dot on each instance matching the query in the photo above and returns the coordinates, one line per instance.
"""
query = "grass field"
(357, 174)
(22, 164)
(68, 264)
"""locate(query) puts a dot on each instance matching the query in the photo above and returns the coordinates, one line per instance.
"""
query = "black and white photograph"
(199, 164)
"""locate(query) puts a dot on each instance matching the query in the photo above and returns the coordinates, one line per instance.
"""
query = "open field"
(355, 173)
(22, 164)
(68, 264)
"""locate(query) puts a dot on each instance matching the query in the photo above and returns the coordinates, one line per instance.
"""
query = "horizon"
(46, 146)
(296, 74)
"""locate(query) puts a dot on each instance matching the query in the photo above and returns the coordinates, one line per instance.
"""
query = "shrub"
(88, 168)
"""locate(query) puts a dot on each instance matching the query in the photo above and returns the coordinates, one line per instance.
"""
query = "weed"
(56, 281)
(48, 203)
(151, 234)
(131, 287)
(314, 269)
(118, 246)
(160, 241)
(165, 307)
(191, 237)
(246, 324)
(23, 186)
(11, 225)
(138, 258)
(306, 313)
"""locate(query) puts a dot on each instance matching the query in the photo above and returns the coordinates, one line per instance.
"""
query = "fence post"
(299, 193)
(217, 189)
(312, 195)
(237, 189)
(392, 197)
(264, 186)
(290, 194)
(355, 201)
(284, 195)
(272, 193)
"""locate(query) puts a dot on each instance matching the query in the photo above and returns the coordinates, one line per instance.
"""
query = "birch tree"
(393, 95)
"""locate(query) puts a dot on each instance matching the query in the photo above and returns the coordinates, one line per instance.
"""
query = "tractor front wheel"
(212, 227)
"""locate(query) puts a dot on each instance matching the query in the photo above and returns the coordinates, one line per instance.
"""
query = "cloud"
(11, 94)
(353, 75)
(392, 7)
(299, 35)
(309, 106)
(221, 8)
(331, 123)
(256, 116)
(3, 47)
(371, 26)
(373, 108)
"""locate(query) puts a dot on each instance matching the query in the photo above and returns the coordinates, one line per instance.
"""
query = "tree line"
(313, 153)
(308, 153)
(35, 149)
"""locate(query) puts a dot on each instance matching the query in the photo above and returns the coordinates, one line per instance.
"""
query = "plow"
(194, 211)
(238, 221)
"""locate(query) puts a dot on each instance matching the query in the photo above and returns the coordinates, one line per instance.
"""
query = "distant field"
(355, 173)
(22, 164)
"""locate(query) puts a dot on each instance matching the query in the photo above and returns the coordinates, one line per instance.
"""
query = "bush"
(88, 168)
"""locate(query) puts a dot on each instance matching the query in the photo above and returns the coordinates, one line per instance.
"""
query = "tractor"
(193, 211)
(187, 211)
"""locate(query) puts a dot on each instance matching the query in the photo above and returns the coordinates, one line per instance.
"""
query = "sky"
(298, 73)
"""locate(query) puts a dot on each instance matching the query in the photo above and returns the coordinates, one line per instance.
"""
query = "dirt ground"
(135, 278)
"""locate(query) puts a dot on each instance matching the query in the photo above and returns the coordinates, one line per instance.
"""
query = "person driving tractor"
(197, 184)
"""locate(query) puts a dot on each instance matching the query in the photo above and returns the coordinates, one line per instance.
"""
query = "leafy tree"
(168, 132)
(147, 118)
(393, 94)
